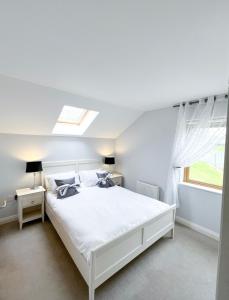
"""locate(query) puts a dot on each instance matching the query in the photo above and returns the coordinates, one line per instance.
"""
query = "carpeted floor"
(34, 265)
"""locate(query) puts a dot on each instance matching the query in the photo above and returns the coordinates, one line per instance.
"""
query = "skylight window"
(74, 121)
(72, 115)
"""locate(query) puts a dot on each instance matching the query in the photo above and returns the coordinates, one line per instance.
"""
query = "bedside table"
(27, 200)
(117, 178)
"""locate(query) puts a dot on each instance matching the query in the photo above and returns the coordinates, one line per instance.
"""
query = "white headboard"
(53, 167)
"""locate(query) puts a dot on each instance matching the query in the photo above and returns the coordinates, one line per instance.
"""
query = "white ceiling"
(143, 54)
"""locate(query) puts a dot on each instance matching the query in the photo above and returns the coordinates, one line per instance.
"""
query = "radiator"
(148, 189)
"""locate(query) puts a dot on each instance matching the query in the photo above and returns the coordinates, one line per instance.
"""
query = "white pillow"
(89, 177)
(50, 179)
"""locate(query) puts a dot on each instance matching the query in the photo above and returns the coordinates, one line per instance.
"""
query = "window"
(209, 170)
(74, 120)
(72, 115)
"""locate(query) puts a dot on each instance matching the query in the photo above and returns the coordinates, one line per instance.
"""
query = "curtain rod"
(205, 99)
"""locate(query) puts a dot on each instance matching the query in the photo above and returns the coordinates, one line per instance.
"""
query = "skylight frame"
(69, 126)
(72, 115)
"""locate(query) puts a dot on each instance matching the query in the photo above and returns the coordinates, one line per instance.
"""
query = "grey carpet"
(34, 264)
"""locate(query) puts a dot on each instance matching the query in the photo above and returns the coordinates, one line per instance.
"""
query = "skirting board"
(8, 219)
(212, 234)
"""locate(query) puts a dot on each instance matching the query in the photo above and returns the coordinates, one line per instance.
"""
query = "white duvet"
(98, 215)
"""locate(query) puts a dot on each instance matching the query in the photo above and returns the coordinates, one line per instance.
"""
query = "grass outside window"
(208, 172)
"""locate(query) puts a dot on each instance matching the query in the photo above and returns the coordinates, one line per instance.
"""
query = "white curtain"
(199, 130)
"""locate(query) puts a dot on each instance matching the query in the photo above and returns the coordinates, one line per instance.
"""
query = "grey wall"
(144, 152)
(144, 149)
(200, 206)
(15, 150)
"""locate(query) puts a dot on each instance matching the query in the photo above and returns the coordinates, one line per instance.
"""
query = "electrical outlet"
(2, 203)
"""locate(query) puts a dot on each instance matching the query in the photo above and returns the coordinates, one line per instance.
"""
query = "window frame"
(188, 180)
(65, 126)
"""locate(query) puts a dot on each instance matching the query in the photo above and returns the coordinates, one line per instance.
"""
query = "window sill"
(201, 187)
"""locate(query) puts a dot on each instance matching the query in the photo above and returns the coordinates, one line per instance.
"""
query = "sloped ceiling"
(139, 55)
(27, 108)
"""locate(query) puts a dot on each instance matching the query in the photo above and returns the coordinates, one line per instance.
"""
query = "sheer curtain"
(199, 130)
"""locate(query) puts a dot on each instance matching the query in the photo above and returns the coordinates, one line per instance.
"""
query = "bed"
(104, 229)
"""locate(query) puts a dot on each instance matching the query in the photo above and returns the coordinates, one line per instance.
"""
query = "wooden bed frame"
(109, 258)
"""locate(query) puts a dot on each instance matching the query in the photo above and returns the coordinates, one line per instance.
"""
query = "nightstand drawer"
(31, 200)
(117, 180)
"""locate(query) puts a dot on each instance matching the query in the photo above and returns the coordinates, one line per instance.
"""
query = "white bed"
(104, 229)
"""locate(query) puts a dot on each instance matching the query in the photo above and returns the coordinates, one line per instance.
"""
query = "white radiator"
(148, 189)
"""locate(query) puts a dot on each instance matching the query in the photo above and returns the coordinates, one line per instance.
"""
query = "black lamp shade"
(33, 166)
(109, 160)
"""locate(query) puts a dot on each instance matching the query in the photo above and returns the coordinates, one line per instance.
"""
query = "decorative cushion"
(50, 179)
(66, 187)
(104, 180)
(60, 182)
(65, 191)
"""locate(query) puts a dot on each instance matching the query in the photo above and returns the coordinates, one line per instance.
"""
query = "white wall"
(144, 152)
(15, 150)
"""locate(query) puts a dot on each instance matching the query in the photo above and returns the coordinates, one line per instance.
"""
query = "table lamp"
(34, 167)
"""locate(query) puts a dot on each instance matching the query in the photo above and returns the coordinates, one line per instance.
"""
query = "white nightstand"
(27, 199)
(117, 178)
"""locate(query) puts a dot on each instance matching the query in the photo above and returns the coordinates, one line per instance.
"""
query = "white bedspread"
(96, 215)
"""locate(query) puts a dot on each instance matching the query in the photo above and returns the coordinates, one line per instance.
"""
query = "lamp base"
(35, 187)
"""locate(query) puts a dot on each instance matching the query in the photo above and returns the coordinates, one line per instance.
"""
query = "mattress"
(96, 215)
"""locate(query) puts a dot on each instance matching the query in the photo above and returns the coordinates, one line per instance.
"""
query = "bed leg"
(91, 293)
(174, 219)
(92, 277)
(172, 233)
